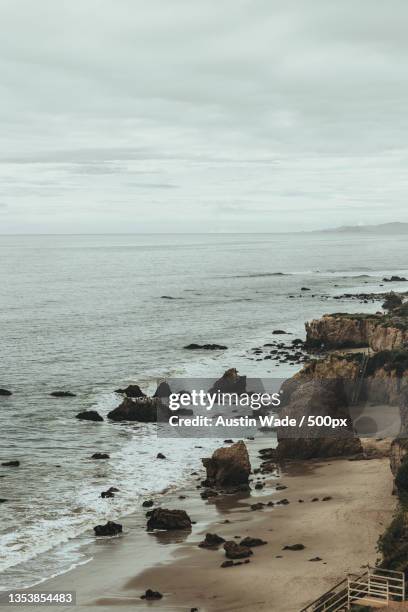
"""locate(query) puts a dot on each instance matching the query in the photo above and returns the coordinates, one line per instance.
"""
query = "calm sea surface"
(86, 314)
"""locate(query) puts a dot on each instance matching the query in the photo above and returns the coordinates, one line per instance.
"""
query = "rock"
(327, 498)
(294, 547)
(144, 410)
(232, 564)
(151, 595)
(315, 559)
(113, 490)
(89, 415)
(315, 499)
(258, 506)
(283, 502)
(13, 463)
(236, 551)
(100, 456)
(392, 301)
(395, 279)
(148, 503)
(208, 493)
(161, 518)
(109, 529)
(252, 542)
(106, 494)
(277, 332)
(305, 289)
(230, 382)
(316, 397)
(62, 394)
(160, 456)
(259, 485)
(163, 390)
(131, 391)
(280, 487)
(228, 467)
(229, 441)
(206, 347)
(5, 392)
(212, 540)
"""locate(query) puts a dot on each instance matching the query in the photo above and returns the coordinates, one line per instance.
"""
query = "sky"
(202, 116)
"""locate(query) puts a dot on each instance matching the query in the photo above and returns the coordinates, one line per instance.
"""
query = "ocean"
(93, 313)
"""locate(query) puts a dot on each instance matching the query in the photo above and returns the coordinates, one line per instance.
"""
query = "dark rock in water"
(315, 499)
(259, 485)
(251, 542)
(228, 466)
(160, 456)
(392, 301)
(5, 392)
(236, 551)
(89, 415)
(109, 529)
(113, 490)
(161, 518)
(163, 390)
(100, 456)
(327, 498)
(305, 289)
(132, 391)
(62, 394)
(151, 595)
(3, 500)
(230, 382)
(229, 441)
(106, 494)
(148, 503)
(283, 502)
(294, 547)
(280, 487)
(206, 347)
(211, 540)
(13, 463)
(258, 506)
(141, 409)
(395, 279)
(279, 332)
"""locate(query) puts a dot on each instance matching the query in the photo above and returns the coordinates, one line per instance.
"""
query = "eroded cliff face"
(377, 331)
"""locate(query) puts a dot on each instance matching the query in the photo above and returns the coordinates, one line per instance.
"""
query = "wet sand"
(342, 531)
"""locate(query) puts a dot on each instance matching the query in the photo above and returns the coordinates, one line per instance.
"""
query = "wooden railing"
(375, 586)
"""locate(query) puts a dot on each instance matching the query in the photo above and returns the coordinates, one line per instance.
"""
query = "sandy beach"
(342, 531)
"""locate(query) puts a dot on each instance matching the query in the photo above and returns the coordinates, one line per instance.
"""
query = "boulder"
(236, 551)
(148, 503)
(163, 390)
(5, 392)
(230, 382)
(62, 394)
(109, 529)
(160, 456)
(211, 540)
(251, 542)
(169, 520)
(89, 415)
(107, 494)
(228, 466)
(100, 456)
(278, 332)
(13, 463)
(144, 410)
(151, 595)
(294, 547)
(131, 391)
(395, 279)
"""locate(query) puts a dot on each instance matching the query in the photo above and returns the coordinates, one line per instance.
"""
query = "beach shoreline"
(342, 531)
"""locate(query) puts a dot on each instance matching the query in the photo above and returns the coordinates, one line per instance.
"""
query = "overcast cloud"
(202, 115)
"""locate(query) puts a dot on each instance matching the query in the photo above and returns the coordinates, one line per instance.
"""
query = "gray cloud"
(294, 111)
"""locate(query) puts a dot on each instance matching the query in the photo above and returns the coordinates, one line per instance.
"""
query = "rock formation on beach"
(131, 391)
(230, 382)
(228, 467)
(142, 409)
(169, 520)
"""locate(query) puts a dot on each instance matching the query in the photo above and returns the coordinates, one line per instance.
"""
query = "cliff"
(380, 332)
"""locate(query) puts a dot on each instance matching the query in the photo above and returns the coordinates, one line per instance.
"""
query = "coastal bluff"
(378, 332)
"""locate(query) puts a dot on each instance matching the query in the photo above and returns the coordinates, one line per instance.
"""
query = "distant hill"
(382, 228)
